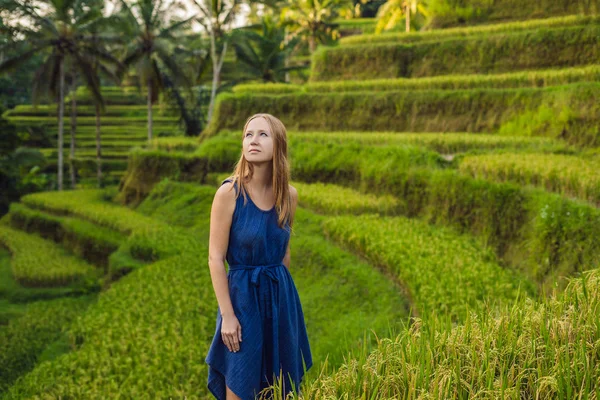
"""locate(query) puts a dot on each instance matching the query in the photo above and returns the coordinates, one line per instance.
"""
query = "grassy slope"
(142, 336)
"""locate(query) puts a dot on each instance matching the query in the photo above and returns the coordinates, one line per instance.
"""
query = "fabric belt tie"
(268, 271)
(270, 305)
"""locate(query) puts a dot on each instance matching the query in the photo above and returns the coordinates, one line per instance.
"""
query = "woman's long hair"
(281, 169)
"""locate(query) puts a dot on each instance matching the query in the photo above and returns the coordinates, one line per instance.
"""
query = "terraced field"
(123, 126)
(447, 239)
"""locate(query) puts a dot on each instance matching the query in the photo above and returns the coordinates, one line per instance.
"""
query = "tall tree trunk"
(287, 55)
(312, 43)
(61, 112)
(149, 110)
(286, 63)
(407, 12)
(73, 128)
(98, 147)
(217, 64)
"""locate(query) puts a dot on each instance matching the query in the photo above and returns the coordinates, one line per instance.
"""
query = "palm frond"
(93, 85)
(42, 79)
(174, 27)
(170, 63)
(113, 76)
(232, 13)
(89, 20)
(27, 157)
(203, 66)
(127, 17)
(147, 8)
(245, 51)
(134, 56)
(14, 62)
(156, 81)
(53, 83)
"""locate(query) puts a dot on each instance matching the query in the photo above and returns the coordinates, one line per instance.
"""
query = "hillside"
(447, 237)
(123, 126)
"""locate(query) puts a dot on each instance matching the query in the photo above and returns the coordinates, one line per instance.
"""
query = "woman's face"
(258, 137)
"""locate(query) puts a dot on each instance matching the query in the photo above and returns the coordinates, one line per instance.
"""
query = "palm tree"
(62, 38)
(312, 20)
(393, 11)
(152, 31)
(265, 55)
(102, 37)
(216, 17)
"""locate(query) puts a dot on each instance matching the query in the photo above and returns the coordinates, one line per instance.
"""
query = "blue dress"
(266, 303)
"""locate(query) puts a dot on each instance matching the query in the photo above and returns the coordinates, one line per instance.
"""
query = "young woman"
(260, 332)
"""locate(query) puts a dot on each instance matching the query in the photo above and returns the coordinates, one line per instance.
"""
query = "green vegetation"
(531, 78)
(84, 111)
(509, 218)
(469, 31)
(39, 262)
(358, 26)
(36, 336)
(91, 120)
(144, 241)
(142, 321)
(110, 154)
(14, 297)
(569, 175)
(325, 275)
(447, 184)
(147, 167)
(486, 53)
(445, 273)
(439, 142)
(532, 350)
(146, 237)
(113, 95)
(185, 205)
(331, 199)
(538, 233)
(177, 143)
(446, 13)
(138, 334)
(472, 110)
(122, 126)
(82, 238)
(19, 165)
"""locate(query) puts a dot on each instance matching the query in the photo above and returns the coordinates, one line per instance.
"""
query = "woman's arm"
(294, 194)
(221, 215)
(286, 259)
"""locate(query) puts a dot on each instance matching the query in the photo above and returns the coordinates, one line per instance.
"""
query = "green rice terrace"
(123, 126)
(447, 238)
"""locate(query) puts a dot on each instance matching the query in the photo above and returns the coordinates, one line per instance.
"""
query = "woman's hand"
(231, 332)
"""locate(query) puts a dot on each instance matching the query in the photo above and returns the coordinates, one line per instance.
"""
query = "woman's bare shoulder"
(293, 190)
(293, 194)
(226, 192)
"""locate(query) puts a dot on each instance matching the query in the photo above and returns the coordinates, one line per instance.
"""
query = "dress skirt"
(274, 339)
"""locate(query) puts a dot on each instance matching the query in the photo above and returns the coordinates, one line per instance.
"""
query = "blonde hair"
(281, 169)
